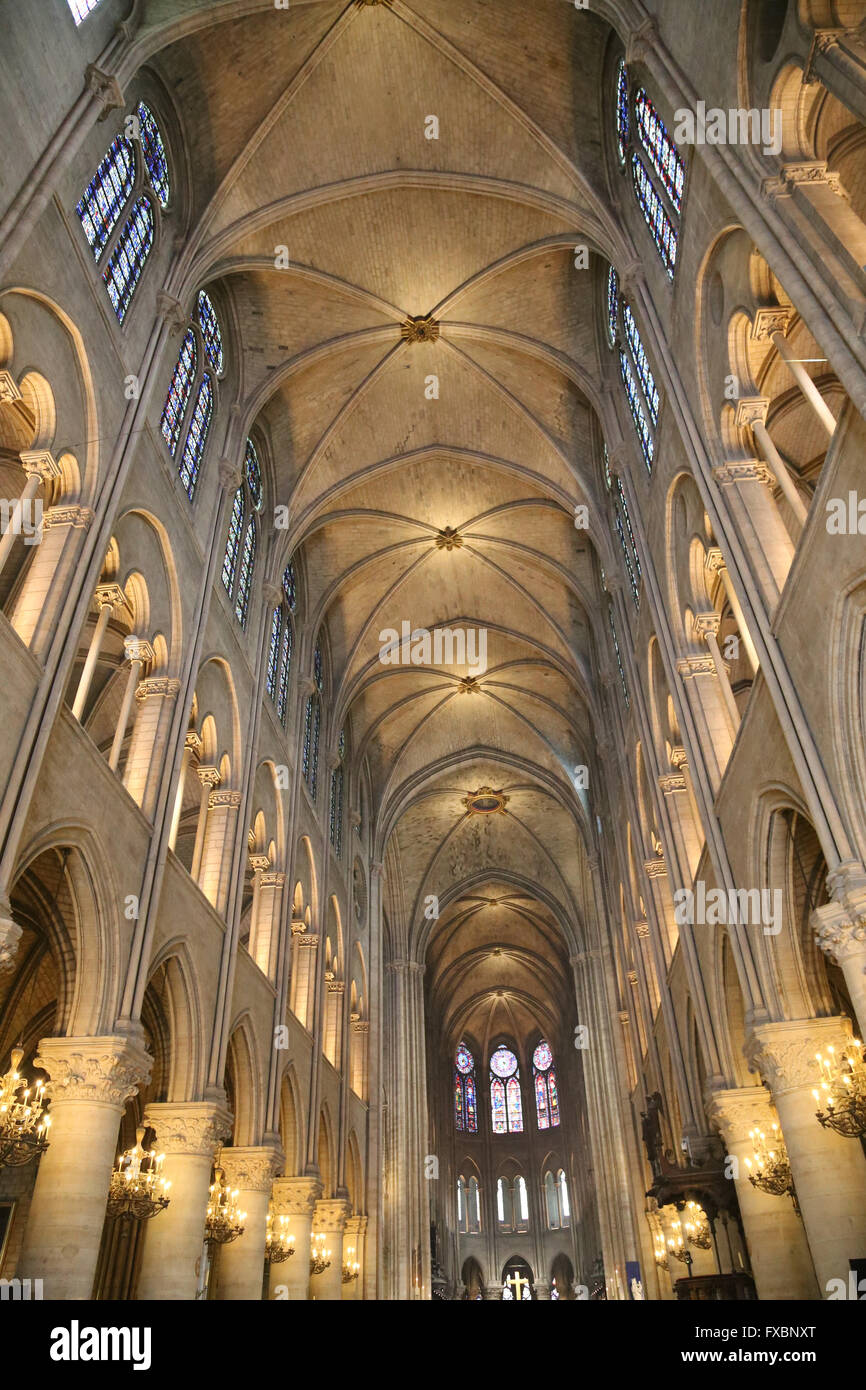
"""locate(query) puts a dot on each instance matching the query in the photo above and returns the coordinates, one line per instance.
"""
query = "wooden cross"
(517, 1283)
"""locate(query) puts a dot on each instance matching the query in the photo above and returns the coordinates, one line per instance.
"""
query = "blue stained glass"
(245, 580)
(318, 670)
(542, 1057)
(471, 1105)
(606, 463)
(647, 379)
(464, 1059)
(274, 652)
(254, 475)
(308, 730)
(612, 304)
(458, 1105)
(81, 9)
(617, 653)
(196, 437)
(624, 505)
(632, 578)
(515, 1105)
(105, 196)
(554, 1100)
(635, 401)
(336, 813)
(341, 744)
(498, 1113)
(314, 751)
(622, 117)
(290, 586)
(285, 664)
(660, 225)
(663, 154)
(179, 393)
(233, 543)
(211, 332)
(541, 1109)
(503, 1062)
(126, 261)
(154, 154)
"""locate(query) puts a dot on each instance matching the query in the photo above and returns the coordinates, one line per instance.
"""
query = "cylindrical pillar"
(329, 1220)
(353, 1253)
(209, 778)
(107, 597)
(806, 384)
(91, 1079)
(780, 468)
(189, 1135)
(136, 653)
(295, 1198)
(241, 1266)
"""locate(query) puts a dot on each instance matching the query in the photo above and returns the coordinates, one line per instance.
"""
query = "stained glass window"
(283, 689)
(626, 554)
(546, 1099)
(622, 114)
(465, 1102)
(647, 379)
(617, 653)
(515, 1107)
(245, 578)
(635, 400)
(81, 9)
(505, 1100)
(663, 154)
(154, 154)
(105, 196)
(274, 651)
(252, 468)
(336, 813)
(318, 669)
(497, 1106)
(196, 438)
(126, 261)
(630, 549)
(310, 761)
(606, 462)
(314, 751)
(663, 231)
(179, 392)
(290, 586)
(612, 304)
(211, 332)
(308, 730)
(233, 543)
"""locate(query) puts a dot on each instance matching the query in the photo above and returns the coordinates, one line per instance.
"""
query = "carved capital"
(230, 476)
(768, 321)
(734, 1113)
(784, 1053)
(655, 868)
(751, 410)
(743, 471)
(272, 594)
(706, 624)
(137, 649)
(209, 776)
(78, 517)
(679, 757)
(110, 596)
(274, 879)
(641, 930)
(259, 863)
(690, 666)
(9, 393)
(329, 1215)
(157, 688)
(189, 1127)
(356, 1225)
(671, 782)
(838, 936)
(104, 1071)
(253, 1169)
(10, 936)
(105, 88)
(641, 41)
(714, 561)
(193, 743)
(40, 463)
(296, 1196)
(171, 311)
(227, 798)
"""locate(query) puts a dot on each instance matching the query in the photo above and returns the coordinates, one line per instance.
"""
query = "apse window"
(648, 154)
(506, 1103)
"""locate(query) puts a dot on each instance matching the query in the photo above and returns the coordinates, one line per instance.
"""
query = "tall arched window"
(656, 168)
(281, 644)
(312, 725)
(81, 9)
(238, 578)
(506, 1105)
(468, 1207)
(557, 1206)
(190, 360)
(233, 542)
(123, 184)
(179, 393)
(336, 811)
(211, 332)
(640, 385)
(546, 1094)
(193, 449)
(465, 1097)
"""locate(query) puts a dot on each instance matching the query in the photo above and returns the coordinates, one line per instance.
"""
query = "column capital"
(259, 863)
(157, 688)
(356, 1225)
(273, 879)
(171, 311)
(641, 929)
(405, 967)
(137, 649)
(104, 1070)
(189, 1127)
(743, 471)
(768, 321)
(694, 665)
(656, 868)
(104, 86)
(735, 1112)
(376, 868)
(9, 392)
(329, 1215)
(225, 797)
(751, 410)
(79, 517)
(296, 1196)
(252, 1169)
(109, 596)
(40, 463)
(230, 476)
(671, 782)
(209, 776)
(706, 624)
(784, 1053)
(193, 743)
(272, 593)
(714, 560)
(641, 41)
(839, 936)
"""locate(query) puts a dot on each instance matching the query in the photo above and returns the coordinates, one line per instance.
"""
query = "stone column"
(712, 718)
(209, 778)
(49, 575)
(191, 753)
(40, 466)
(684, 818)
(805, 383)
(753, 507)
(91, 1079)
(189, 1134)
(148, 747)
(267, 907)
(241, 1264)
(304, 953)
(136, 652)
(353, 1252)
(295, 1198)
(542, 1291)
(818, 212)
(753, 411)
(837, 60)
(776, 1240)
(216, 859)
(829, 1171)
(707, 626)
(840, 930)
(108, 597)
(329, 1220)
(492, 1293)
(715, 563)
(408, 1215)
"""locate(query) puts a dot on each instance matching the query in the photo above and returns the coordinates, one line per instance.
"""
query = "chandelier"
(279, 1244)
(351, 1268)
(320, 1258)
(772, 1171)
(677, 1246)
(661, 1254)
(23, 1121)
(138, 1189)
(698, 1227)
(843, 1091)
(224, 1222)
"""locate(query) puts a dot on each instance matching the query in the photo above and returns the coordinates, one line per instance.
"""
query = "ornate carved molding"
(78, 517)
(838, 936)
(40, 462)
(227, 798)
(813, 173)
(296, 1196)
(690, 666)
(751, 410)
(10, 936)
(422, 328)
(784, 1053)
(105, 1070)
(9, 393)
(189, 1127)
(671, 782)
(706, 623)
(679, 757)
(274, 879)
(259, 863)
(656, 868)
(106, 88)
(744, 471)
(110, 596)
(329, 1216)
(768, 321)
(734, 1113)
(209, 776)
(157, 687)
(251, 1170)
(642, 930)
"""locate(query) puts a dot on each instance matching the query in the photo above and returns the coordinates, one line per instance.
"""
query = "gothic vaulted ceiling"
(309, 129)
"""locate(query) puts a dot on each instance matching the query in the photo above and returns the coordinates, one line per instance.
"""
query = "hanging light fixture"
(224, 1221)
(677, 1246)
(320, 1258)
(843, 1090)
(698, 1227)
(23, 1119)
(138, 1189)
(279, 1244)
(661, 1254)
(351, 1268)
(769, 1169)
